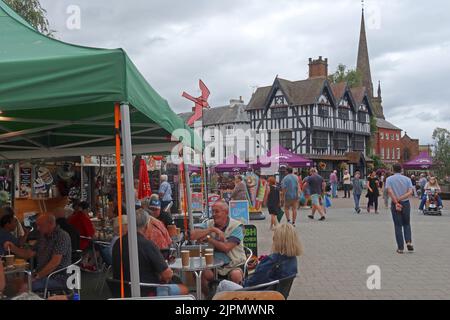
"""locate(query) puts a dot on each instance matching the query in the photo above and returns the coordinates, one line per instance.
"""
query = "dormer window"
(344, 113)
(279, 101)
(324, 100)
(324, 111)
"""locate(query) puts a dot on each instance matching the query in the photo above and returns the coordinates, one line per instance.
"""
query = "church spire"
(363, 63)
(379, 89)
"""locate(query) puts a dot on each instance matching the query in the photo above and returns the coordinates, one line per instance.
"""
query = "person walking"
(414, 184)
(358, 187)
(334, 184)
(347, 181)
(273, 202)
(317, 187)
(289, 186)
(165, 192)
(400, 189)
(422, 182)
(373, 192)
(385, 193)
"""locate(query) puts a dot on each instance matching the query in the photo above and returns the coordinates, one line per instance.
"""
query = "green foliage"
(441, 139)
(32, 12)
(377, 162)
(342, 74)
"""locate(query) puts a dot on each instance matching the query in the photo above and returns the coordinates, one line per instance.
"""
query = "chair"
(249, 295)
(114, 287)
(92, 247)
(282, 286)
(249, 254)
(47, 289)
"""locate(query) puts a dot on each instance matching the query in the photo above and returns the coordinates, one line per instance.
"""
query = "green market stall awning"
(57, 99)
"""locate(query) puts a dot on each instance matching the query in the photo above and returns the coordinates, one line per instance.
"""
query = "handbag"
(328, 202)
(280, 214)
(302, 199)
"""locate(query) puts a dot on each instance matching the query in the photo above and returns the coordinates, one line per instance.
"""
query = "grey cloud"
(234, 45)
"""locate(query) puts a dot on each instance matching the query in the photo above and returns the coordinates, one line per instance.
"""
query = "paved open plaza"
(339, 251)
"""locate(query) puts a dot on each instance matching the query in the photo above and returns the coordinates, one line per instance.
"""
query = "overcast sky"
(236, 45)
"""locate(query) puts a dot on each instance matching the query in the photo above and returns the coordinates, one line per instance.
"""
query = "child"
(273, 202)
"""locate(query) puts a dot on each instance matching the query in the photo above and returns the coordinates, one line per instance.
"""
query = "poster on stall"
(197, 202)
(239, 211)
(25, 182)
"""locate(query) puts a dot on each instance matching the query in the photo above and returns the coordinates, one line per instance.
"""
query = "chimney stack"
(318, 68)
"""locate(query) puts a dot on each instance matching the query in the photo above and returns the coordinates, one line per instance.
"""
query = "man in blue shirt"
(8, 224)
(400, 189)
(289, 197)
(165, 192)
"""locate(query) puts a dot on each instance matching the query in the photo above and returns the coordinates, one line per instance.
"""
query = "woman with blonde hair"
(280, 264)
(431, 184)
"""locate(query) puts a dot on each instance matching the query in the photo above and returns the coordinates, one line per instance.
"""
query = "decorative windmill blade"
(189, 97)
(204, 89)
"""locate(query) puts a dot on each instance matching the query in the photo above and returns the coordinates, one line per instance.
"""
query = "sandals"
(400, 251)
(410, 247)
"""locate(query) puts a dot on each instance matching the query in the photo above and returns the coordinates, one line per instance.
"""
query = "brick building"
(410, 148)
(388, 144)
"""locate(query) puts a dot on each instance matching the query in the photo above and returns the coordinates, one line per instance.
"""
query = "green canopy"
(57, 99)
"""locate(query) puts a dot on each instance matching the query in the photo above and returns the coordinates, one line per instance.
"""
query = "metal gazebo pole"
(130, 204)
(188, 193)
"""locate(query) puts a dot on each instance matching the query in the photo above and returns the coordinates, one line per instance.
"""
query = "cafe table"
(196, 265)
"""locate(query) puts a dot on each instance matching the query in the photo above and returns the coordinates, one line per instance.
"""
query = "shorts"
(291, 204)
(171, 290)
(273, 211)
(316, 200)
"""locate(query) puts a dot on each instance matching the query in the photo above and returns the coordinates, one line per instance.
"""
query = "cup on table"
(172, 230)
(209, 258)
(9, 260)
(185, 255)
(209, 251)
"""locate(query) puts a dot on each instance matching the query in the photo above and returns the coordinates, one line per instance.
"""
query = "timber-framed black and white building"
(328, 123)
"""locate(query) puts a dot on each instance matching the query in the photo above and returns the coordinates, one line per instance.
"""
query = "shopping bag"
(302, 199)
(280, 215)
(327, 202)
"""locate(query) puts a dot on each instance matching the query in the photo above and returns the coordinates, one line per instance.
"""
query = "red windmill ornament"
(200, 103)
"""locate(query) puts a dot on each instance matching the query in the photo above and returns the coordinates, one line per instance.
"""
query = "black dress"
(273, 200)
(373, 196)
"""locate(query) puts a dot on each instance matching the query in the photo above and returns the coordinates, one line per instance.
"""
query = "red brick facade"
(410, 148)
(388, 145)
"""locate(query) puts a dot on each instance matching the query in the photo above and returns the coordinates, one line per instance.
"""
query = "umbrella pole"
(130, 203)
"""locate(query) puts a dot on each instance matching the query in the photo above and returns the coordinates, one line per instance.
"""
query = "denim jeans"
(402, 224)
(357, 198)
(334, 190)
(39, 285)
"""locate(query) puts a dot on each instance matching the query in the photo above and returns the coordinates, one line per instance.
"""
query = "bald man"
(53, 251)
(226, 236)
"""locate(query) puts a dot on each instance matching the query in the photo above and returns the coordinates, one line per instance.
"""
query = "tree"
(342, 74)
(32, 12)
(441, 139)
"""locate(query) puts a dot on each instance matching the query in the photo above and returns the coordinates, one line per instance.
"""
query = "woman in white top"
(347, 182)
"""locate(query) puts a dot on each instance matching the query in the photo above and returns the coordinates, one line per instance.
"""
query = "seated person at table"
(432, 184)
(53, 251)
(282, 263)
(107, 251)
(152, 266)
(61, 221)
(226, 235)
(7, 225)
(2, 278)
(19, 232)
(158, 233)
(81, 221)
(153, 206)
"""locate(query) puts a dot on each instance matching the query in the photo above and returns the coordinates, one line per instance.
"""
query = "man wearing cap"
(154, 207)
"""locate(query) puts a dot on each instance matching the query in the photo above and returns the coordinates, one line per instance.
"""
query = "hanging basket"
(322, 166)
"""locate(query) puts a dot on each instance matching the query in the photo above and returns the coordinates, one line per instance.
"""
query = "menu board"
(25, 179)
(251, 238)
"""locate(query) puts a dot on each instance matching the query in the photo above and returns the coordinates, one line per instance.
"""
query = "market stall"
(59, 99)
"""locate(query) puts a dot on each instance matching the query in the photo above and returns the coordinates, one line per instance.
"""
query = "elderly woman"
(282, 263)
(432, 184)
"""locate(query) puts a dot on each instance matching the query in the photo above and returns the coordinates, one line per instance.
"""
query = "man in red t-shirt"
(80, 220)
